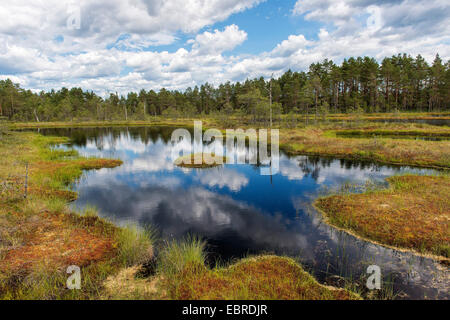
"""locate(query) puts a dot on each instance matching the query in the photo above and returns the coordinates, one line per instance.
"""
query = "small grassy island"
(208, 160)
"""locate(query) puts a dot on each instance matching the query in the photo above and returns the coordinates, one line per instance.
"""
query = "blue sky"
(268, 24)
(127, 45)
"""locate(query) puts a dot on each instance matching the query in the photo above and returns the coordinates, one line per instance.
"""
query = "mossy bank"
(413, 213)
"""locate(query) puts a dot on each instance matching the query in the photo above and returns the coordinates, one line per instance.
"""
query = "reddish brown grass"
(57, 240)
(265, 277)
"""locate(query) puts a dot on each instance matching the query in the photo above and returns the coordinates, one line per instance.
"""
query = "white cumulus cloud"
(117, 48)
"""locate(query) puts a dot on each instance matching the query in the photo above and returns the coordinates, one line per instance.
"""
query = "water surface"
(241, 212)
(433, 122)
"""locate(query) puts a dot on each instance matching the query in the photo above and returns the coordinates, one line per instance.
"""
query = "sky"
(127, 45)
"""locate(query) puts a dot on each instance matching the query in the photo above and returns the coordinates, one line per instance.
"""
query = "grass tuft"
(178, 256)
(135, 245)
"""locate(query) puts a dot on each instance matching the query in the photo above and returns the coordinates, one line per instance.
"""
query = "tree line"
(398, 83)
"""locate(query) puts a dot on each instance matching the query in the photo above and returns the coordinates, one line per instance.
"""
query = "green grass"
(135, 245)
(180, 256)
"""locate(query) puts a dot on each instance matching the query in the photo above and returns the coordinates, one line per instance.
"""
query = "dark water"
(241, 212)
(434, 122)
(408, 137)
